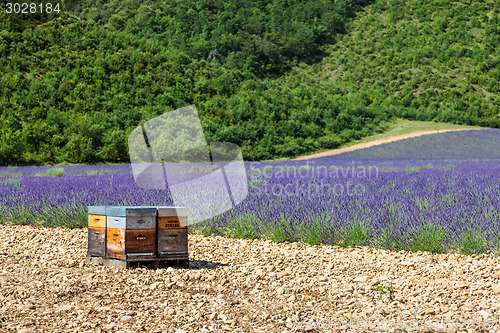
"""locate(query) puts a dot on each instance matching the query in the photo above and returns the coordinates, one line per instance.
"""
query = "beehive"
(172, 233)
(131, 232)
(97, 231)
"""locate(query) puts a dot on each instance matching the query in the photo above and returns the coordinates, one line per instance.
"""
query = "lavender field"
(436, 193)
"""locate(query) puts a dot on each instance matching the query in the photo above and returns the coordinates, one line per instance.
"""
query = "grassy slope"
(402, 127)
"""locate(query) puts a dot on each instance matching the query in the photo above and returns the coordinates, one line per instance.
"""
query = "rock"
(429, 311)
(308, 327)
(360, 279)
(485, 314)
(180, 331)
(260, 273)
(213, 327)
(126, 318)
(109, 326)
(292, 298)
(290, 324)
(281, 274)
(407, 263)
(329, 251)
(26, 330)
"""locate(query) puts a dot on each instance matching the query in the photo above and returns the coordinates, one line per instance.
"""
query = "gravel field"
(242, 286)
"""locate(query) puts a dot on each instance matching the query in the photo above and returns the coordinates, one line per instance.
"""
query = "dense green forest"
(278, 77)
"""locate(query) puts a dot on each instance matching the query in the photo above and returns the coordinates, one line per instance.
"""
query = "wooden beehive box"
(172, 233)
(96, 231)
(131, 232)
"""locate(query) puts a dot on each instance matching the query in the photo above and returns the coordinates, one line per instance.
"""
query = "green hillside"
(438, 59)
(279, 77)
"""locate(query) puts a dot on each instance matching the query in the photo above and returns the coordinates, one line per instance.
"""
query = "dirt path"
(241, 286)
(377, 142)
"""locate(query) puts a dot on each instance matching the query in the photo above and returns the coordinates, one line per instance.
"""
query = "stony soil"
(241, 286)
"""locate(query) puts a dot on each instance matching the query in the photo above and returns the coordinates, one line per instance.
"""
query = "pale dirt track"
(379, 142)
(238, 286)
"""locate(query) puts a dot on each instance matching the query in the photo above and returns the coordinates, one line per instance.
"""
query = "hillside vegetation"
(280, 78)
(440, 60)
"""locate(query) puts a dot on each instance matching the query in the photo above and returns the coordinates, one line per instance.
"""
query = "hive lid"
(97, 210)
(130, 211)
(172, 211)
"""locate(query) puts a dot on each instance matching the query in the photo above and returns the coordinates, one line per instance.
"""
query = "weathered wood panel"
(168, 222)
(172, 242)
(181, 213)
(140, 242)
(130, 211)
(131, 222)
(96, 242)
